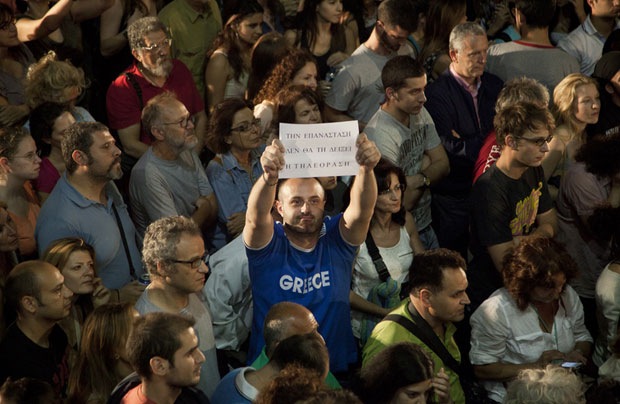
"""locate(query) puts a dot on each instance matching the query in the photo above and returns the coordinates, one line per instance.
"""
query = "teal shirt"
(262, 360)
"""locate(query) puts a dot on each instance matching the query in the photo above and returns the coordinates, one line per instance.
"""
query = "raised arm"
(258, 228)
(356, 218)
(30, 30)
(82, 10)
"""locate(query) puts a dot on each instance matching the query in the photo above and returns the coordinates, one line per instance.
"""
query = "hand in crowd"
(272, 159)
(201, 201)
(367, 155)
(12, 114)
(101, 294)
(336, 58)
(441, 385)
(131, 292)
(455, 134)
(235, 224)
(549, 356)
(576, 356)
(501, 18)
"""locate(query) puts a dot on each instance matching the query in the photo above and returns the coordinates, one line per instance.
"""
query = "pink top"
(48, 176)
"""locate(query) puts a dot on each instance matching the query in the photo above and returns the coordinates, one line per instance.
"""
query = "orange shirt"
(25, 226)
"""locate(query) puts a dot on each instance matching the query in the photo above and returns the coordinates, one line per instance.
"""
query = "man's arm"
(205, 214)
(333, 115)
(439, 168)
(258, 228)
(356, 218)
(30, 30)
(130, 140)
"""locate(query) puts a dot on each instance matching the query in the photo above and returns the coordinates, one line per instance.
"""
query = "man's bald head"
(286, 319)
(23, 280)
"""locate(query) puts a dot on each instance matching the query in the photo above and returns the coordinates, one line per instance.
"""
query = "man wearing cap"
(607, 72)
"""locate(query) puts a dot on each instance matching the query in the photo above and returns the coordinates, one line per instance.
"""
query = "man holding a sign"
(307, 259)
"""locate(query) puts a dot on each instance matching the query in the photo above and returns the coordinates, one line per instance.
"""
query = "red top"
(135, 396)
(488, 155)
(123, 104)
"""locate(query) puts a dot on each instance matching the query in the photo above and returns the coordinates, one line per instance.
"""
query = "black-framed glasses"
(7, 24)
(397, 187)
(166, 43)
(246, 126)
(539, 141)
(183, 123)
(195, 263)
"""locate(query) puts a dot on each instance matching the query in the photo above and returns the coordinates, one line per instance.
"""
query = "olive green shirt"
(192, 35)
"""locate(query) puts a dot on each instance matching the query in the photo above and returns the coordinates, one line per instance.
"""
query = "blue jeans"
(428, 238)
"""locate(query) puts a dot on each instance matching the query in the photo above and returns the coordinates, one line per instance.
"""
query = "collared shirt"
(503, 333)
(585, 43)
(67, 213)
(472, 89)
(387, 333)
(192, 35)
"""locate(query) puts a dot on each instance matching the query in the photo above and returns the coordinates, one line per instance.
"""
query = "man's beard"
(162, 68)
(305, 231)
(385, 41)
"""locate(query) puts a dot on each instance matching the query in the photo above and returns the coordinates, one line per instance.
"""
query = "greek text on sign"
(319, 150)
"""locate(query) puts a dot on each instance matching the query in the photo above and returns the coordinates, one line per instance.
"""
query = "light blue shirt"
(232, 185)
(585, 43)
(68, 213)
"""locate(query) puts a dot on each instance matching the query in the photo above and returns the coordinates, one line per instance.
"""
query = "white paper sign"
(319, 150)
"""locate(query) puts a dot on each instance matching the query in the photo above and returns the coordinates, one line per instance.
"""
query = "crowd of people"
(150, 251)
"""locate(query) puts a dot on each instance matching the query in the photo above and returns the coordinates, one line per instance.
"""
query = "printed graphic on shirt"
(305, 285)
(526, 211)
(412, 150)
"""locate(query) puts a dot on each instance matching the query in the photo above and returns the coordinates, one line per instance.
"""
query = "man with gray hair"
(153, 72)
(174, 255)
(169, 179)
(462, 104)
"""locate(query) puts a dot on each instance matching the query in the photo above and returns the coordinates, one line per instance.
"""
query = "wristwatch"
(427, 181)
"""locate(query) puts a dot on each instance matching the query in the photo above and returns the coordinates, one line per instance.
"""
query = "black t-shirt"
(502, 208)
(21, 357)
(608, 120)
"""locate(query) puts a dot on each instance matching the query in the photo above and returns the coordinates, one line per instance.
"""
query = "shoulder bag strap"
(425, 333)
(134, 83)
(132, 270)
(373, 251)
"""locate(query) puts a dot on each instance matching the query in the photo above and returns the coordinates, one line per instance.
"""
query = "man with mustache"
(462, 104)
(86, 203)
(174, 255)
(307, 259)
(169, 179)
(355, 93)
(153, 72)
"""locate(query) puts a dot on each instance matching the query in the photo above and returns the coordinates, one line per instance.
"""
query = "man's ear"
(29, 304)
(159, 365)
(136, 55)
(279, 207)
(425, 297)
(389, 93)
(511, 142)
(453, 55)
(79, 157)
(157, 133)
(609, 88)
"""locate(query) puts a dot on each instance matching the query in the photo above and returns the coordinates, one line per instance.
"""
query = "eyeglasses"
(7, 24)
(195, 263)
(157, 46)
(32, 156)
(183, 123)
(246, 126)
(539, 141)
(397, 187)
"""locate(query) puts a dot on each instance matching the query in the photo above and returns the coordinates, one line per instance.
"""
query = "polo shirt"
(387, 333)
(123, 104)
(585, 43)
(67, 213)
(192, 35)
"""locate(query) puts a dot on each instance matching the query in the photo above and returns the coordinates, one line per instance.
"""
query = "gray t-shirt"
(357, 87)
(547, 64)
(404, 147)
(160, 188)
(209, 373)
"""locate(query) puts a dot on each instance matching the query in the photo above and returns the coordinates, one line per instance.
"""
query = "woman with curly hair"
(576, 103)
(234, 135)
(53, 80)
(322, 34)
(102, 360)
(15, 58)
(228, 66)
(297, 68)
(76, 261)
(294, 383)
(592, 182)
(534, 320)
(441, 18)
